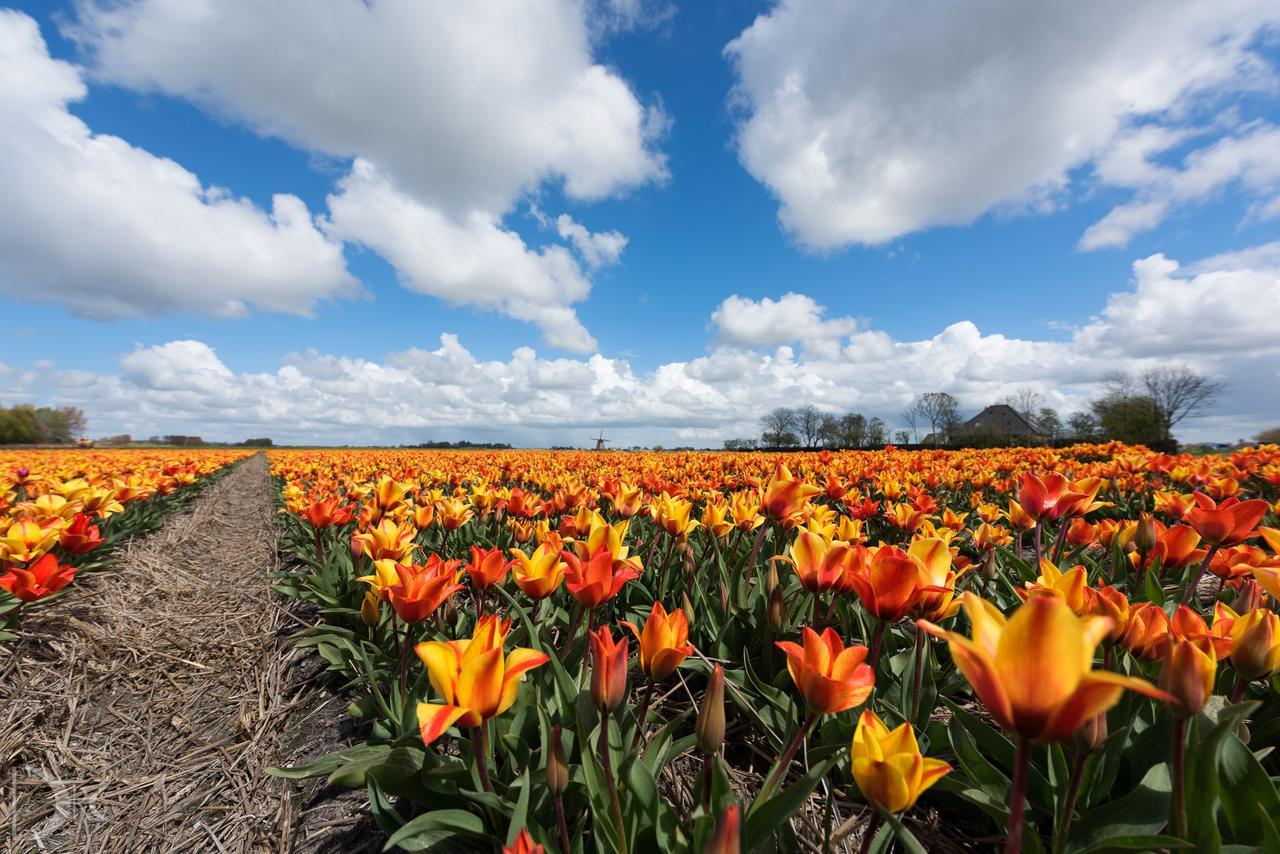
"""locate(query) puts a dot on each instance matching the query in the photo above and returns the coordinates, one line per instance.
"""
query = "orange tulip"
(936, 600)
(1108, 602)
(1255, 640)
(420, 589)
(595, 581)
(328, 513)
(830, 676)
(784, 497)
(889, 584)
(663, 643)
(726, 836)
(819, 562)
(1226, 524)
(524, 844)
(80, 537)
(41, 578)
(540, 574)
(453, 513)
(1034, 672)
(608, 669)
(1187, 676)
(487, 567)
(888, 767)
(475, 678)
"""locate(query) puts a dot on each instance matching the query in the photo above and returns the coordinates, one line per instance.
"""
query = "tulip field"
(63, 511)
(1027, 649)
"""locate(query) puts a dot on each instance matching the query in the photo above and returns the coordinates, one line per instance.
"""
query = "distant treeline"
(25, 424)
(463, 445)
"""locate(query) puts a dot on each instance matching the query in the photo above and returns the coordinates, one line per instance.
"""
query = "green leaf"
(329, 763)
(432, 828)
(1252, 795)
(520, 815)
(1142, 812)
(764, 817)
(1139, 843)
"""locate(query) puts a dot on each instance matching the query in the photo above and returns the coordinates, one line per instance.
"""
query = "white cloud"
(597, 248)
(473, 262)
(1249, 161)
(767, 322)
(451, 113)
(869, 120)
(465, 104)
(1214, 320)
(109, 229)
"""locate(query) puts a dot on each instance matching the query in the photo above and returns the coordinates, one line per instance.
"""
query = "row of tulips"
(62, 511)
(846, 650)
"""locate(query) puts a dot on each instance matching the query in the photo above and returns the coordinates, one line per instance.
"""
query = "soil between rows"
(138, 712)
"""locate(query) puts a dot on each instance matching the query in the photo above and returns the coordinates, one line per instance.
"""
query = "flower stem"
(480, 738)
(780, 770)
(1039, 549)
(1017, 797)
(1190, 590)
(873, 827)
(563, 824)
(1179, 777)
(615, 805)
(877, 641)
(1069, 805)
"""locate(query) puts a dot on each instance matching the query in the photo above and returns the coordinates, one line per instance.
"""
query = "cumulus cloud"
(1213, 319)
(451, 113)
(869, 121)
(1250, 162)
(473, 261)
(597, 248)
(110, 229)
(767, 322)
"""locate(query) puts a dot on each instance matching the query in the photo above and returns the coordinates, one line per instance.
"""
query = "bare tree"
(808, 422)
(941, 410)
(779, 426)
(911, 417)
(875, 431)
(1027, 402)
(1177, 393)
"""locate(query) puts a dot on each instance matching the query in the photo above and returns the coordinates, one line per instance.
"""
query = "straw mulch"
(138, 712)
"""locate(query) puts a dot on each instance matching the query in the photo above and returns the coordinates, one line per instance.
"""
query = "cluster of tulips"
(60, 508)
(1052, 648)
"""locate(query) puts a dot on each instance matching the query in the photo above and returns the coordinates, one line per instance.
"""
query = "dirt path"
(137, 713)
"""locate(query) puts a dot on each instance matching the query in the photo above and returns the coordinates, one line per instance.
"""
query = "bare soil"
(137, 713)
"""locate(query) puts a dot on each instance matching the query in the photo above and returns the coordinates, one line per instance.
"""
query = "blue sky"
(896, 177)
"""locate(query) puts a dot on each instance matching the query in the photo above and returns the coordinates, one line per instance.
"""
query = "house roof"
(1003, 418)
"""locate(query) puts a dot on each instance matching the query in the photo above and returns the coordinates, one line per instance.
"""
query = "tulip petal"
(434, 719)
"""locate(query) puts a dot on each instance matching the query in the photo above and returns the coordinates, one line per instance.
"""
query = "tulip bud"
(771, 580)
(776, 612)
(369, 608)
(557, 768)
(1188, 675)
(710, 726)
(725, 839)
(687, 607)
(1092, 734)
(688, 561)
(989, 567)
(724, 598)
(608, 670)
(1145, 537)
(1248, 597)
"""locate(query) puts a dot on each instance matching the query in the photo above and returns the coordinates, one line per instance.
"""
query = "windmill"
(601, 441)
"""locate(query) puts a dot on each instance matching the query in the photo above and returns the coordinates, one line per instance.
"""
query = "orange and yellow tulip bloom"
(1187, 676)
(784, 497)
(936, 600)
(328, 513)
(829, 676)
(80, 536)
(453, 513)
(539, 574)
(476, 678)
(39, 579)
(664, 642)
(888, 767)
(420, 589)
(27, 540)
(819, 562)
(387, 540)
(595, 581)
(889, 584)
(1070, 586)
(1175, 548)
(608, 669)
(487, 567)
(1034, 671)
(1255, 640)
